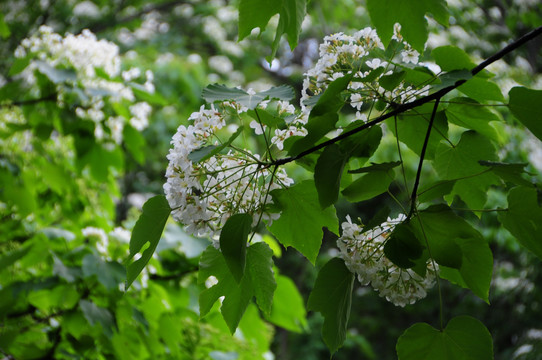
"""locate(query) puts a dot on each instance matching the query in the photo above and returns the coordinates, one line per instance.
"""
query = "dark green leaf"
(390, 82)
(209, 151)
(233, 243)
(376, 167)
(464, 338)
(4, 28)
(385, 13)
(19, 65)
(435, 190)
(509, 172)
(258, 281)
(301, 221)
(327, 175)
(323, 116)
(481, 90)
(451, 78)
(368, 186)
(470, 114)
(292, 13)
(147, 229)
(11, 257)
(97, 315)
(524, 218)
(256, 14)
(403, 247)
(412, 127)
(454, 243)
(525, 105)
(332, 296)
(265, 117)
(109, 273)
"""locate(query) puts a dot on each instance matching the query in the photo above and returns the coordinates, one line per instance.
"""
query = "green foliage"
(258, 281)
(302, 219)
(217, 92)
(411, 18)
(233, 243)
(524, 105)
(463, 338)
(148, 229)
(332, 296)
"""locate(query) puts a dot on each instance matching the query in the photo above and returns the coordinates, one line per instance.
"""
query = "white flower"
(363, 253)
(356, 101)
(258, 129)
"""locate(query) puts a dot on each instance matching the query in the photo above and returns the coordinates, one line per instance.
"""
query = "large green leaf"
(109, 273)
(256, 14)
(481, 90)
(98, 315)
(369, 186)
(385, 13)
(524, 218)
(332, 296)
(461, 162)
(470, 114)
(288, 310)
(451, 57)
(217, 92)
(412, 127)
(327, 175)
(258, 281)
(302, 219)
(402, 247)
(233, 243)
(525, 105)
(509, 172)
(464, 338)
(147, 229)
(462, 252)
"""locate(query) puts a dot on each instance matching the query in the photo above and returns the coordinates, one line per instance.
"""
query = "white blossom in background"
(87, 57)
(363, 254)
(360, 54)
(204, 194)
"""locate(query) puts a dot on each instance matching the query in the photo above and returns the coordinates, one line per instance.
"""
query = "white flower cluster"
(204, 194)
(363, 254)
(97, 65)
(361, 55)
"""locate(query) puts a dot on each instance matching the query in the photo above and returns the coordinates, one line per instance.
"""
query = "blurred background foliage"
(69, 200)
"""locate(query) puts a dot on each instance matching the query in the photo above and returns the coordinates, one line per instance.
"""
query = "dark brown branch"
(418, 102)
(51, 97)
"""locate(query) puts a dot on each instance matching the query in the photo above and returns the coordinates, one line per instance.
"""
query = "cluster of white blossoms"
(89, 69)
(204, 194)
(361, 54)
(363, 254)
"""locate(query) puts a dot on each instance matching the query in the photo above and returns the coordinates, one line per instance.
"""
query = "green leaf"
(481, 90)
(256, 14)
(510, 172)
(368, 186)
(288, 309)
(464, 338)
(301, 220)
(470, 114)
(258, 281)
(525, 105)
(403, 247)
(451, 78)
(323, 116)
(292, 13)
(332, 296)
(109, 273)
(11, 257)
(217, 92)
(327, 175)
(97, 315)
(206, 152)
(411, 129)
(148, 229)
(152, 98)
(233, 243)
(4, 28)
(265, 117)
(435, 190)
(19, 64)
(524, 218)
(134, 142)
(385, 13)
(455, 244)
(57, 76)
(461, 163)
(451, 57)
(376, 167)
(390, 82)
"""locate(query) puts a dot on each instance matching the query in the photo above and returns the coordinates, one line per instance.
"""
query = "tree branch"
(418, 102)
